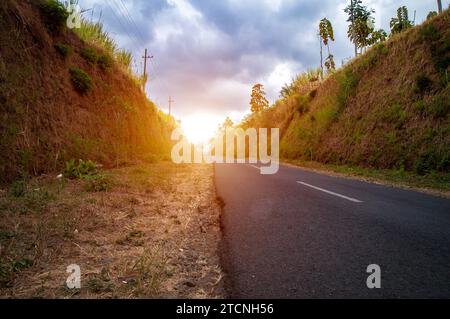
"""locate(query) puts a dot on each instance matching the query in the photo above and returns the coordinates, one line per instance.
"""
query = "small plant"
(55, 15)
(90, 55)
(81, 80)
(105, 62)
(80, 170)
(63, 49)
(439, 106)
(423, 84)
(99, 183)
(18, 188)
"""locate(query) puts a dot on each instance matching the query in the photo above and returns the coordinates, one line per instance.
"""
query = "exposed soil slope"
(45, 121)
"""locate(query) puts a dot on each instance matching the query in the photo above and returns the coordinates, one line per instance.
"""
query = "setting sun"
(200, 128)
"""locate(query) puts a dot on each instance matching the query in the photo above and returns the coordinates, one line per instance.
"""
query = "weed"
(63, 49)
(99, 183)
(348, 81)
(55, 15)
(7, 269)
(81, 81)
(105, 62)
(80, 170)
(439, 106)
(429, 33)
(151, 269)
(419, 106)
(395, 115)
(90, 55)
(426, 162)
(18, 188)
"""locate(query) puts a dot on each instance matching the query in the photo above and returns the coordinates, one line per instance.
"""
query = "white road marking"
(332, 193)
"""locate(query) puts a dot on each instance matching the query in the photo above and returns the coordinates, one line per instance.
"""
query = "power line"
(132, 21)
(120, 22)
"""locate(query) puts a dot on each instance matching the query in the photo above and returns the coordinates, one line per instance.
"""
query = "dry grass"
(154, 233)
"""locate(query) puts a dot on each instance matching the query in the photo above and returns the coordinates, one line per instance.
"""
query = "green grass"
(105, 62)
(64, 50)
(55, 15)
(80, 80)
(90, 55)
(80, 169)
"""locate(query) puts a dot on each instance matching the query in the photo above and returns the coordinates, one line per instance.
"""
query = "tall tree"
(226, 124)
(401, 22)
(359, 18)
(326, 33)
(258, 101)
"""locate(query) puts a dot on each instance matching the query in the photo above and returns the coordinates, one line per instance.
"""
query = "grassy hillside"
(387, 109)
(64, 98)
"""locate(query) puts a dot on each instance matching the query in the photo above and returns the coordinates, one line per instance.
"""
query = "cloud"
(208, 54)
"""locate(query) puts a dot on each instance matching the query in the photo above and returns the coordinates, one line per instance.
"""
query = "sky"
(207, 54)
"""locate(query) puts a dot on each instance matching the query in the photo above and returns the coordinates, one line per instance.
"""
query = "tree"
(326, 33)
(329, 63)
(360, 19)
(226, 124)
(377, 36)
(431, 15)
(401, 22)
(258, 101)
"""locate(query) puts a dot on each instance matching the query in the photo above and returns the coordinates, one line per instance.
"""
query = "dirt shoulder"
(153, 233)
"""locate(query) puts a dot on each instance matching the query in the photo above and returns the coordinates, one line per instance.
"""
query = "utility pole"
(439, 6)
(170, 105)
(144, 80)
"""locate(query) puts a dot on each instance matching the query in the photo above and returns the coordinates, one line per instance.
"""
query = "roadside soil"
(147, 231)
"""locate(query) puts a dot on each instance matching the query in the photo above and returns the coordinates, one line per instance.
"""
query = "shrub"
(423, 84)
(90, 55)
(105, 62)
(439, 106)
(81, 81)
(419, 106)
(63, 49)
(429, 32)
(18, 188)
(80, 170)
(426, 162)
(55, 15)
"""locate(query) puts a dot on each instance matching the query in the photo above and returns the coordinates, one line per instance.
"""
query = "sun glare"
(200, 128)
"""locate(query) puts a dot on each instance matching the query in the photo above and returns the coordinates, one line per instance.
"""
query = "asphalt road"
(301, 234)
